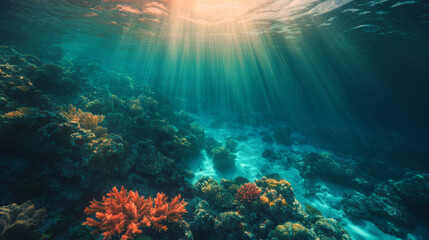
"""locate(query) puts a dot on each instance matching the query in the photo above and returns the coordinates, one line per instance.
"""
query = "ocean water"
(190, 97)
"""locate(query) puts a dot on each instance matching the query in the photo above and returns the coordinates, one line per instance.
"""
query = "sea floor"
(251, 164)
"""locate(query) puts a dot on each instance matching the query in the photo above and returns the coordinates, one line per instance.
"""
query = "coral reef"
(276, 214)
(56, 150)
(17, 220)
(390, 207)
(124, 213)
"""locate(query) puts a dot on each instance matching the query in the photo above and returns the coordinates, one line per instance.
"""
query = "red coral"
(248, 192)
(171, 211)
(123, 213)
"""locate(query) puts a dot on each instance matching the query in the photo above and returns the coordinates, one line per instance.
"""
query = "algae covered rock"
(329, 228)
(228, 226)
(388, 215)
(324, 166)
(292, 231)
(223, 159)
(108, 155)
(274, 215)
(17, 220)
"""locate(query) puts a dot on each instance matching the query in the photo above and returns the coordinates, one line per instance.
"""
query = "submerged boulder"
(223, 159)
(17, 220)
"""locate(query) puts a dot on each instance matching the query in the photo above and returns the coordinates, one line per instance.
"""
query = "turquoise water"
(284, 78)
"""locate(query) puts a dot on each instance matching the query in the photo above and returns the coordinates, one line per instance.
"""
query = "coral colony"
(248, 192)
(125, 213)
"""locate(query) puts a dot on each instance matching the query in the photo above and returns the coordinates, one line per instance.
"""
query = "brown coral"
(17, 220)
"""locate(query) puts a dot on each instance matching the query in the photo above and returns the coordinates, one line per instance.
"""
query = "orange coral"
(124, 212)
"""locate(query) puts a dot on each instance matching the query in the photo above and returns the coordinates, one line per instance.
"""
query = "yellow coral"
(135, 105)
(86, 120)
(264, 199)
(90, 121)
(274, 184)
(181, 141)
(19, 113)
(13, 115)
(291, 230)
(296, 227)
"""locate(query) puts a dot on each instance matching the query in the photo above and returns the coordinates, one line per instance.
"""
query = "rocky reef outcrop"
(16, 221)
(275, 214)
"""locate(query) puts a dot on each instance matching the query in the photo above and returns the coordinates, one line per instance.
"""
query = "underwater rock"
(17, 220)
(329, 228)
(279, 199)
(231, 144)
(99, 106)
(28, 131)
(223, 159)
(276, 214)
(153, 164)
(292, 231)
(210, 190)
(108, 155)
(270, 155)
(202, 220)
(210, 144)
(386, 214)
(413, 189)
(394, 206)
(325, 167)
(241, 180)
(118, 83)
(183, 118)
(19, 91)
(55, 79)
(228, 226)
(194, 134)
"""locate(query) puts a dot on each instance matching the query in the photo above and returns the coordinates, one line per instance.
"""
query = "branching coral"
(86, 120)
(163, 210)
(124, 213)
(248, 192)
(19, 113)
